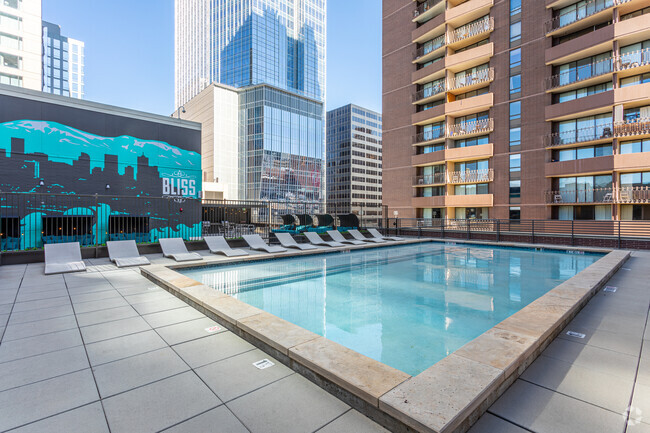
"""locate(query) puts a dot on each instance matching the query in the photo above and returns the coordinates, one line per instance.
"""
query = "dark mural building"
(80, 171)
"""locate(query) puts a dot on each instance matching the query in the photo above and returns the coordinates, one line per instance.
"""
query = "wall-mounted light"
(41, 183)
(108, 186)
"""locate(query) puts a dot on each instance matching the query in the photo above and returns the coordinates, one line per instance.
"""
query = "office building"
(511, 109)
(20, 43)
(354, 162)
(273, 54)
(63, 63)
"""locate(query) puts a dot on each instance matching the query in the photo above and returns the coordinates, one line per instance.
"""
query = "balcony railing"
(633, 195)
(425, 6)
(436, 89)
(586, 195)
(481, 126)
(581, 73)
(633, 60)
(481, 76)
(471, 30)
(632, 127)
(429, 47)
(585, 11)
(471, 176)
(430, 179)
(578, 135)
(434, 134)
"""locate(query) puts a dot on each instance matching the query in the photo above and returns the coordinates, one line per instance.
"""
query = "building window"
(11, 80)
(582, 152)
(515, 83)
(515, 110)
(636, 146)
(515, 32)
(10, 22)
(637, 79)
(515, 162)
(10, 41)
(14, 4)
(515, 213)
(515, 136)
(471, 189)
(515, 189)
(10, 61)
(515, 58)
(515, 7)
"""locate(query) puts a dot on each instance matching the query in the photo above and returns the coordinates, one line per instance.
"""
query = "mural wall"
(71, 173)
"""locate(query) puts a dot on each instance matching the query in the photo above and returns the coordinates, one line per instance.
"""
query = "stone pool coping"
(439, 400)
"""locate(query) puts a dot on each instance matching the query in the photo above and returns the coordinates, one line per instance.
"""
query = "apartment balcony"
(580, 167)
(631, 162)
(588, 14)
(428, 202)
(429, 94)
(470, 176)
(421, 159)
(581, 196)
(466, 83)
(469, 33)
(638, 128)
(580, 136)
(464, 60)
(432, 72)
(475, 104)
(429, 137)
(430, 179)
(430, 50)
(481, 151)
(470, 129)
(589, 105)
(473, 200)
(633, 195)
(467, 11)
(428, 9)
(634, 63)
(582, 76)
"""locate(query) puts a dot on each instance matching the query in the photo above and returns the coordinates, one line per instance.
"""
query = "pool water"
(406, 306)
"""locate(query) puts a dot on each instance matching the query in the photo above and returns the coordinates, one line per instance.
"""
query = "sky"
(130, 51)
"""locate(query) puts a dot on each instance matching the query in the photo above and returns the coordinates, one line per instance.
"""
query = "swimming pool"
(405, 306)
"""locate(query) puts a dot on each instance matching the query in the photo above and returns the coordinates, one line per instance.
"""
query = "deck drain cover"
(264, 363)
(212, 329)
(575, 334)
(611, 289)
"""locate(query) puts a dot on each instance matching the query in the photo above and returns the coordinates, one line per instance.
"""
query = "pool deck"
(108, 348)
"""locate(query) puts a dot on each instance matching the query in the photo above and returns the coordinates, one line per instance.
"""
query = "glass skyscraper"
(273, 53)
(63, 63)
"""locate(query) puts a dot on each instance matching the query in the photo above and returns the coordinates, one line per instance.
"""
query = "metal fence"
(606, 234)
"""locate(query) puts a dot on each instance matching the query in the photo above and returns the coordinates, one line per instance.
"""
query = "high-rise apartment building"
(20, 43)
(354, 162)
(511, 109)
(63, 63)
(273, 53)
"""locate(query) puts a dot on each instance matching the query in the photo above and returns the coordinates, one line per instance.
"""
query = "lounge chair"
(315, 239)
(218, 245)
(376, 234)
(338, 237)
(61, 258)
(257, 243)
(125, 253)
(358, 236)
(288, 241)
(176, 249)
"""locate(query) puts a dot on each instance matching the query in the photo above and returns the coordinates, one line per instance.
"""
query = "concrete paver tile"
(103, 304)
(160, 305)
(186, 331)
(26, 295)
(159, 405)
(103, 316)
(87, 419)
(33, 402)
(292, 404)
(129, 373)
(353, 421)
(123, 347)
(78, 298)
(211, 349)
(40, 304)
(39, 344)
(171, 317)
(118, 328)
(41, 314)
(218, 420)
(617, 342)
(641, 403)
(236, 376)
(45, 326)
(489, 423)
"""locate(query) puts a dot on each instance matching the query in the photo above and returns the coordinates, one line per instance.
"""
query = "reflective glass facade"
(63, 63)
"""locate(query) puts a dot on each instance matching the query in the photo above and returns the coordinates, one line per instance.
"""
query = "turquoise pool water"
(406, 306)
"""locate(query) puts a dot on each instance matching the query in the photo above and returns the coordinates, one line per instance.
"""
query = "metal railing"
(579, 135)
(434, 134)
(424, 7)
(437, 88)
(478, 77)
(430, 179)
(586, 195)
(481, 126)
(587, 233)
(585, 11)
(581, 73)
(632, 60)
(470, 30)
(633, 195)
(430, 46)
(470, 176)
(632, 127)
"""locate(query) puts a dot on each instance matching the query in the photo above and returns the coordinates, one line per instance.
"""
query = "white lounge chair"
(61, 258)
(376, 234)
(315, 239)
(257, 243)
(358, 236)
(125, 253)
(219, 245)
(176, 249)
(338, 237)
(287, 241)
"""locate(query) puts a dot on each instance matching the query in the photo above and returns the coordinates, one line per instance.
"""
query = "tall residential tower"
(20, 43)
(272, 54)
(63, 63)
(517, 109)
